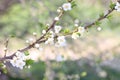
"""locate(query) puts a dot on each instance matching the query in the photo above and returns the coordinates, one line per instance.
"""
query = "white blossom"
(48, 25)
(61, 41)
(57, 18)
(19, 60)
(76, 25)
(52, 34)
(81, 29)
(17, 63)
(67, 6)
(58, 10)
(43, 31)
(34, 33)
(27, 41)
(57, 29)
(29, 67)
(50, 41)
(37, 46)
(117, 7)
(14, 61)
(31, 40)
(20, 55)
(99, 28)
(20, 64)
(75, 36)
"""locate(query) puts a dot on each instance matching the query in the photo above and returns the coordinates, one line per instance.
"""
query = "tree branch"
(41, 39)
(99, 19)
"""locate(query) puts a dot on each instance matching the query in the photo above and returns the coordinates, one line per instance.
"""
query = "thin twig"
(6, 47)
(99, 19)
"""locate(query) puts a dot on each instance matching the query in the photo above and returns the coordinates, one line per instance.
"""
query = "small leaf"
(29, 62)
(112, 5)
(109, 17)
(1, 65)
(73, 4)
(66, 31)
(101, 15)
(78, 34)
(97, 23)
(42, 26)
(26, 53)
(4, 70)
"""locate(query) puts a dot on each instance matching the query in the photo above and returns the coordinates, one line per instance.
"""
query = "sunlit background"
(95, 56)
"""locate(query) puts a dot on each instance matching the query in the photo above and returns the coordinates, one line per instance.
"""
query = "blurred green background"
(95, 56)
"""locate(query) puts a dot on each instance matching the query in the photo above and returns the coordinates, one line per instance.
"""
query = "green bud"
(112, 5)
(97, 23)
(73, 4)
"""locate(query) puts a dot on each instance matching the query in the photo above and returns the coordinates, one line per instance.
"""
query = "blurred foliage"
(71, 70)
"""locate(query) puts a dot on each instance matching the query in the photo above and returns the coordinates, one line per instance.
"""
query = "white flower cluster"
(19, 60)
(31, 40)
(77, 34)
(60, 39)
(37, 46)
(117, 7)
(50, 41)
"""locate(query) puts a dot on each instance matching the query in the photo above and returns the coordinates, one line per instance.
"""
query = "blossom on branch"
(17, 63)
(61, 41)
(43, 31)
(81, 29)
(57, 18)
(50, 41)
(57, 29)
(37, 46)
(77, 34)
(67, 6)
(117, 7)
(19, 60)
